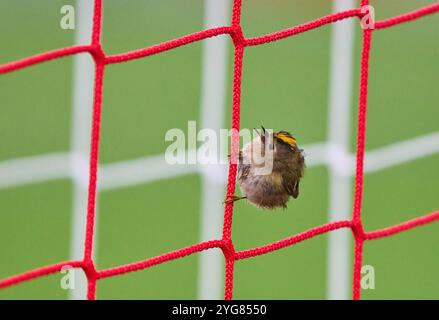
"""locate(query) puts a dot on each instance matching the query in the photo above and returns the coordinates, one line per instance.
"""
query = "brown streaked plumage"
(273, 189)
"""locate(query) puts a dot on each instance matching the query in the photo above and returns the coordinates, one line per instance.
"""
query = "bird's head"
(274, 142)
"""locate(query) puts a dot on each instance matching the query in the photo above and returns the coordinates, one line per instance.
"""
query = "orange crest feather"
(287, 138)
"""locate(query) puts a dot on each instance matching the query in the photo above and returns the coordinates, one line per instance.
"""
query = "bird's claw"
(232, 198)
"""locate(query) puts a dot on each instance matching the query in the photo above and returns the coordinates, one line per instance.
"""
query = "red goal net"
(240, 42)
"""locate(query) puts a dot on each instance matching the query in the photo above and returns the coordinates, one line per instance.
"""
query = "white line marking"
(342, 45)
(36, 169)
(213, 92)
(83, 73)
(139, 171)
(315, 154)
(33, 169)
(401, 152)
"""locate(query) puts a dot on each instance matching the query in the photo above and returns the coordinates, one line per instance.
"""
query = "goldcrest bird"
(273, 188)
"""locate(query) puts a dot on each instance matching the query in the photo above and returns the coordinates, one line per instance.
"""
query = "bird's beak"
(263, 135)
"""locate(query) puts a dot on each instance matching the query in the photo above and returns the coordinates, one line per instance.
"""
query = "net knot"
(228, 249)
(358, 230)
(237, 36)
(97, 52)
(89, 269)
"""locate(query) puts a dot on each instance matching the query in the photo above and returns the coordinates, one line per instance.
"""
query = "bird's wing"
(292, 187)
(243, 171)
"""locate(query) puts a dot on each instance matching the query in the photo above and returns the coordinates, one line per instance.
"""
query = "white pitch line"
(33, 169)
(401, 152)
(52, 166)
(140, 171)
(315, 154)
(83, 74)
(342, 45)
(213, 92)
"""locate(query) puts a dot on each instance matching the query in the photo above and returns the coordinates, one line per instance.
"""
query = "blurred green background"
(285, 86)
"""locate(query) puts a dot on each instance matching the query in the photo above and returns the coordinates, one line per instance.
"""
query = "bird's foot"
(232, 198)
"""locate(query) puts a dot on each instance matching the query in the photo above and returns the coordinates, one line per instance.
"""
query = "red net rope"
(225, 243)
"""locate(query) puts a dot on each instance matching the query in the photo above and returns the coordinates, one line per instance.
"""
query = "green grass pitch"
(285, 86)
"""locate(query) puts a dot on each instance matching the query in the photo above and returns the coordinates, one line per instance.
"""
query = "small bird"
(272, 189)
